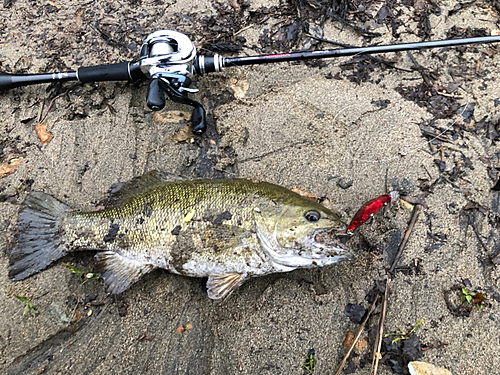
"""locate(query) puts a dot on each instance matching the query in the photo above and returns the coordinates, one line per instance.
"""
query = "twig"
(471, 222)
(243, 29)
(51, 105)
(457, 96)
(416, 210)
(40, 112)
(380, 333)
(378, 342)
(434, 136)
(354, 27)
(360, 330)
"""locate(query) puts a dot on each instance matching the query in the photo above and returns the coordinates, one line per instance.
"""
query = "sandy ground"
(289, 124)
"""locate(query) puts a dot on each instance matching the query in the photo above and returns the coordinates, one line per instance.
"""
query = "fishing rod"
(167, 58)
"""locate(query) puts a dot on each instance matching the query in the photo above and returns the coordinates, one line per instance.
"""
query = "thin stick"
(356, 338)
(416, 210)
(376, 353)
(478, 235)
(380, 333)
(245, 28)
(51, 105)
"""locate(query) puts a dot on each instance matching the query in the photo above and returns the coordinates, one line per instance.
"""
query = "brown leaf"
(305, 194)
(478, 298)
(348, 339)
(360, 345)
(183, 134)
(77, 318)
(189, 326)
(180, 329)
(423, 368)
(53, 3)
(165, 117)
(234, 4)
(254, 180)
(417, 199)
(42, 134)
(10, 166)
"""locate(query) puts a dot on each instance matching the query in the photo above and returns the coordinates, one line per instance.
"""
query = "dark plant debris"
(355, 312)
(401, 352)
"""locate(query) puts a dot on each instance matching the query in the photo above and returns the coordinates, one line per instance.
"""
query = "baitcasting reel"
(168, 58)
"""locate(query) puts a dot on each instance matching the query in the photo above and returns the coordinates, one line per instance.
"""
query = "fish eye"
(312, 216)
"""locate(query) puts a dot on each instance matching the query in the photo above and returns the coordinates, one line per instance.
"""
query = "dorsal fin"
(122, 191)
(118, 271)
(220, 286)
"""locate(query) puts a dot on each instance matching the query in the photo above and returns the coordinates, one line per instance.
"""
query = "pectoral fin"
(118, 271)
(220, 286)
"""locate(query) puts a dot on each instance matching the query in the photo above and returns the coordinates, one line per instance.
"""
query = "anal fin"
(119, 272)
(220, 286)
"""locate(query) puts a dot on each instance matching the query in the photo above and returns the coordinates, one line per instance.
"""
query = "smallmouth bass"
(227, 230)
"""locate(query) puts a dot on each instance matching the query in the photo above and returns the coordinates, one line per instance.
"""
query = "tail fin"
(40, 235)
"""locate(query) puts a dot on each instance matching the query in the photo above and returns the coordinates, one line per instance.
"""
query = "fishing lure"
(369, 209)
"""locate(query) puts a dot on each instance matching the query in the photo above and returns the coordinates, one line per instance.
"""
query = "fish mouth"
(316, 250)
(331, 243)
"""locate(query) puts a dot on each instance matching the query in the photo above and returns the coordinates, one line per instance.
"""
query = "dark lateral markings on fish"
(235, 229)
(219, 219)
(176, 230)
(113, 231)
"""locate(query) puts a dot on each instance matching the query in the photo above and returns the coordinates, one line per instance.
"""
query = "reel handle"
(198, 120)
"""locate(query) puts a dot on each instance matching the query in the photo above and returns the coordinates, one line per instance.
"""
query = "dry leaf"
(478, 298)
(239, 87)
(189, 326)
(423, 368)
(180, 329)
(254, 180)
(183, 134)
(234, 4)
(305, 194)
(406, 204)
(43, 135)
(165, 117)
(348, 339)
(78, 18)
(360, 345)
(53, 3)
(10, 166)
(74, 323)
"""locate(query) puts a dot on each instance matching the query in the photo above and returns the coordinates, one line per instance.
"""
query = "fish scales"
(148, 219)
(226, 230)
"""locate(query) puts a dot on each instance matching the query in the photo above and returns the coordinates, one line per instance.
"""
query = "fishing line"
(412, 148)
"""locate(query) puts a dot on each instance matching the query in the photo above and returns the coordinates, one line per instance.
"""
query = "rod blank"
(296, 56)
